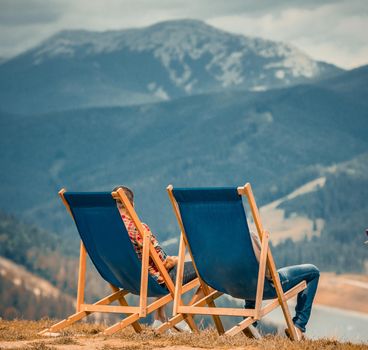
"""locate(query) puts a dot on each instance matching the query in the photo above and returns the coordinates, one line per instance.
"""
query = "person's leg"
(160, 314)
(159, 317)
(291, 276)
(251, 331)
(250, 304)
(188, 275)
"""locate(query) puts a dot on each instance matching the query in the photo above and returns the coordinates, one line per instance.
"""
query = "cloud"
(25, 12)
(334, 33)
(330, 30)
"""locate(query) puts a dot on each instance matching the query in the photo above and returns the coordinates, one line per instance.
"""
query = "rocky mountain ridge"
(76, 68)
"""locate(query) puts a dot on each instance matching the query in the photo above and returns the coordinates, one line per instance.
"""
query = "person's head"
(128, 192)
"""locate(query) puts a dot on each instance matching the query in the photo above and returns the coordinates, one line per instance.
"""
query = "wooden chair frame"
(134, 312)
(266, 259)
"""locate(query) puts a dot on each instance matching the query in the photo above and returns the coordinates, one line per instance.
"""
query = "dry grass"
(22, 335)
(27, 330)
(65, 341)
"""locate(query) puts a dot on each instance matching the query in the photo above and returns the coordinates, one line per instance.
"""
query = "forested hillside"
(26, 296)
(39, 251)
(276, 140)
(342, 203)
(32, 253)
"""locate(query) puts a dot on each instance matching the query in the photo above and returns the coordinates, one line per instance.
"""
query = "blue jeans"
(290, 276)
(189, 272)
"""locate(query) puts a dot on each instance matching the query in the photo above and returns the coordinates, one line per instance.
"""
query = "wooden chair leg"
(208, 300)
(247, 190)
(192, 325)
(189, 318)
(197, 300)
(122, 324)
(122, 301)
(289, 321)
(291, 293)
(136, 326)
(180, 317)
(216, 319)
(65, 323)
(285, 310)
(240, 326)
(81, 314)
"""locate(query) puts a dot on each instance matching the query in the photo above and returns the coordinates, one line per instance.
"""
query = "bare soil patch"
(346, 291)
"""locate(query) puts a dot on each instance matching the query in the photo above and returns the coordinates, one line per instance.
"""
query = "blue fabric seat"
(218, 235)
(107, 242)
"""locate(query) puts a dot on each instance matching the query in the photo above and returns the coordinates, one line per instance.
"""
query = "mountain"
(76, 68)
(331, 197)
(354, 79)
(278, 140)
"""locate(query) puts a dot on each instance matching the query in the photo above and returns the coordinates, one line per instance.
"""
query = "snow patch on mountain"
(280, 74)
(157, 91)
(185, 45)
(297, 63)
(258, 88)
(61, 47)
(229, 66)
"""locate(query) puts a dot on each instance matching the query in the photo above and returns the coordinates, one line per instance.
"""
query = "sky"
(330, 31)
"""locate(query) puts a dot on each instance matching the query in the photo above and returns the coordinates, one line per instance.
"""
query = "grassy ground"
(22, 335)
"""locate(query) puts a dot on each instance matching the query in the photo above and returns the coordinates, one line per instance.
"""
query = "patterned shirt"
(137, 241)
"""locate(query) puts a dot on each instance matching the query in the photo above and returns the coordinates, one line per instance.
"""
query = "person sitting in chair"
(289, 277)
(170, 262)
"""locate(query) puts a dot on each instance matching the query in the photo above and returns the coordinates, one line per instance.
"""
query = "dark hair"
(129, 193)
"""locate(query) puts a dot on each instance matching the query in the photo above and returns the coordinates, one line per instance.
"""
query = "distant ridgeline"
(275, 139)
(142, 65)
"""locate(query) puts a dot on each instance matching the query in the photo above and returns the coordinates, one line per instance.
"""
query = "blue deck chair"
(105, 239)
(215, 231)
